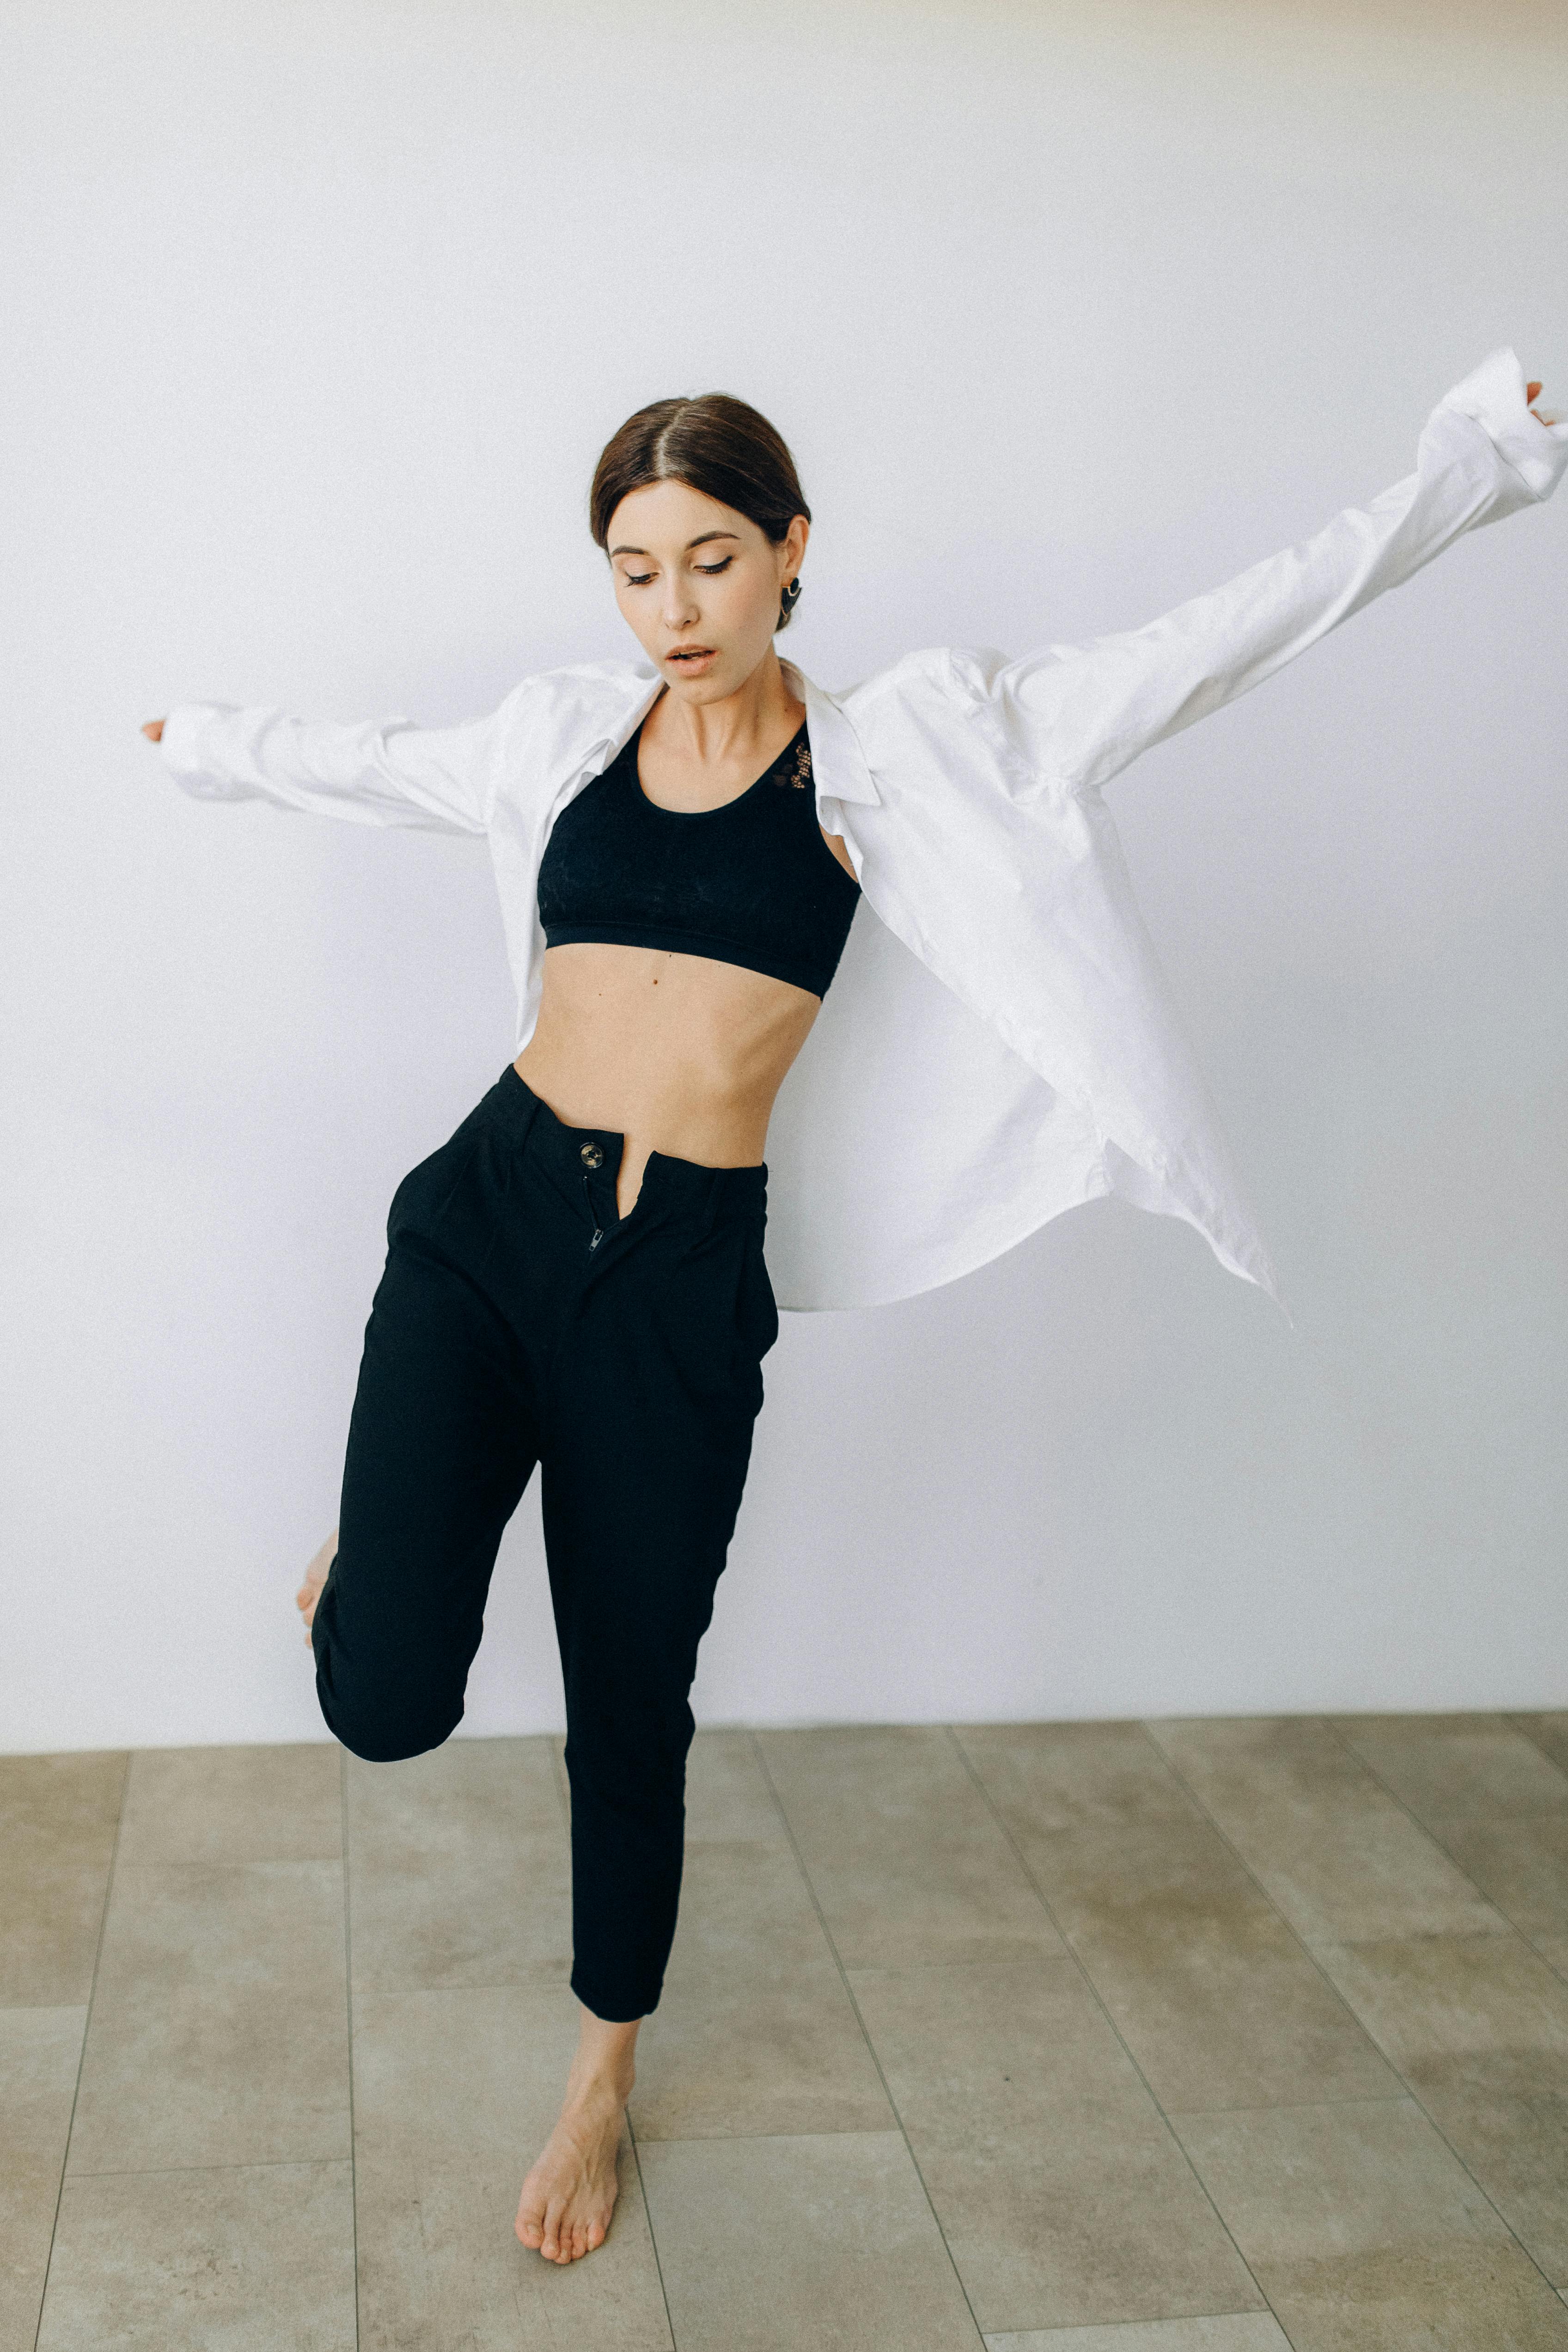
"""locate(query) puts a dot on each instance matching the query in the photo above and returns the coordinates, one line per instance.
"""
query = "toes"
(595, 2235)
(531, 2219)
(553, 2246)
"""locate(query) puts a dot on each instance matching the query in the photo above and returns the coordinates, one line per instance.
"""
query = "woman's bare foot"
(310, 1592)
(568, 2197)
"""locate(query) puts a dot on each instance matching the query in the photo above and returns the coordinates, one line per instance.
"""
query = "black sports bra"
(751, 882)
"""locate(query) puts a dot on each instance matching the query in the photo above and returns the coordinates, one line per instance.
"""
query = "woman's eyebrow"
(701, 541)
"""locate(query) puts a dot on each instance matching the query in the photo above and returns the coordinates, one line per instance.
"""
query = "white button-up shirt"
(999, 1044)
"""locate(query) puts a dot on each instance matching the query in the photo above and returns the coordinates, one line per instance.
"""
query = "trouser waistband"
(593, 1153)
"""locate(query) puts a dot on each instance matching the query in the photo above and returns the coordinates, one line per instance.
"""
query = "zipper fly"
(597, 1228)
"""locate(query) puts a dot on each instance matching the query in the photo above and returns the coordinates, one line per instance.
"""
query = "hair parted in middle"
(715, 444)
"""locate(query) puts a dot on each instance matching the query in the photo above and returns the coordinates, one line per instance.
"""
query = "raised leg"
(441, 1446)
(309, 1591)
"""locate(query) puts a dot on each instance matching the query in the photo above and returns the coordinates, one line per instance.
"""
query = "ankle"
(599, 2082)
(602, 2068)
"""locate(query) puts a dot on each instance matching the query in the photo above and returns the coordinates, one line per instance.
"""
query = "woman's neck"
(752, 724)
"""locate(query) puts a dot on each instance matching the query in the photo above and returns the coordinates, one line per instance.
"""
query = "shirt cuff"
(180, 746)
(1494, 395)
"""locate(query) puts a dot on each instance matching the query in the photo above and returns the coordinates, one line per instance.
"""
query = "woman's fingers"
(1532, 392)
(153, 729)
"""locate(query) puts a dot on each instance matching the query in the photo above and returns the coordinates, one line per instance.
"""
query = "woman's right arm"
(385, 771)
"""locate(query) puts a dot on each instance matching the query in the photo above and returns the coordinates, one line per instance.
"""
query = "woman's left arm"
(1082, 712)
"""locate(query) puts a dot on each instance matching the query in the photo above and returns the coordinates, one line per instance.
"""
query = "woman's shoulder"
(957, 675)
(588, 687)
(562, 712)
(552, 715)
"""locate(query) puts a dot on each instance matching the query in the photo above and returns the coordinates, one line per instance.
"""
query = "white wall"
(318, 314)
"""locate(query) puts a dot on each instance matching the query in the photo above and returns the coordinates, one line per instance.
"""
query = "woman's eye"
(636, 579)
(717, 567)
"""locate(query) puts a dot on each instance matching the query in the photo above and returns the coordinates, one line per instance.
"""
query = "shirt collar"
(839, 767)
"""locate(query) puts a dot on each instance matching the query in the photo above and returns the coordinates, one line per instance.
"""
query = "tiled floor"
(1140, 2037)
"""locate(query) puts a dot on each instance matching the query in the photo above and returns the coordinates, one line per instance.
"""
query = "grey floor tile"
(39, 2052)
(1520, 1865)
(455, 2093)
(245, 2260)
(233, 1804)
(1240, 2331)
(1366, 2232)
(1338, 1853)
(219, 2030)
(1144, 1894)
(459, 1869)
(1214, 1995)
(57, 1818)
(1045, 1776)
(1478, 2027)
(902, 1849)
(755, 2031)
(727, 1795)
(1457, 1766)
(1059, 2189)
(819, 2243)
(1547, 1731)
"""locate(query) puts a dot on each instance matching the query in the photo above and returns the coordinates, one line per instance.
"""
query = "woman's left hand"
(1533, 393)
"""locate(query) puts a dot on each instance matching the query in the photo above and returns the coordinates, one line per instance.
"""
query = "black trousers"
(520, 1320)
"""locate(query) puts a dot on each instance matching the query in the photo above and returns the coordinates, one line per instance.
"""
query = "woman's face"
(699, 585)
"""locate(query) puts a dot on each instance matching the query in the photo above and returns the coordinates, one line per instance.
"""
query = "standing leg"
(647, 1435)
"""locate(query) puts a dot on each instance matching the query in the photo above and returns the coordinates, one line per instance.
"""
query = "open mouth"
(692, 656)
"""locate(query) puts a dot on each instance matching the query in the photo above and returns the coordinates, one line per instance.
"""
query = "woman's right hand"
(153, 730)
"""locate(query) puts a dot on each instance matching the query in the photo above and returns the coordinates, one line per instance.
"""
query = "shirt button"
(591, 1155)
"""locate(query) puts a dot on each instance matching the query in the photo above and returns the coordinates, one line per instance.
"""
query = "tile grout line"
(1398, 2071)
(1476, 1821)
(1098, 1998)
(348, 2013)
(251, 2164)
(860, 2020)
(1335, 1733)
(1519, 1719)
(86, 2029)
(653, 2234)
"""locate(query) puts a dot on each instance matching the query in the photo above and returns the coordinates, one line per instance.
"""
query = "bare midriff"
(677, 1054)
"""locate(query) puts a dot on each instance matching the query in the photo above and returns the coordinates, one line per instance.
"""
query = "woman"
(576, 1277)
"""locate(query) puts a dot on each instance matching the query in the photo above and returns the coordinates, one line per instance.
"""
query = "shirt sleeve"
(1082, 712)
(372, 771)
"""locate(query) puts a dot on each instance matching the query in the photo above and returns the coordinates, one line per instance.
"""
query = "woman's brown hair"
(714, 444)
